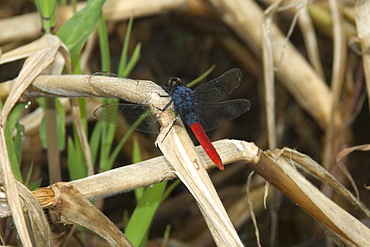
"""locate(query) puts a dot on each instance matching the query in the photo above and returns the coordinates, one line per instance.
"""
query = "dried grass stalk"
(309, 90)
(362, 9)
(34, 65)
(113, 10)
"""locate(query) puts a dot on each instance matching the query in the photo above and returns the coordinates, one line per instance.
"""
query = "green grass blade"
(148, 200)
(201, 77)
(129, 132)
(82, 105)
(76, 30)
(76, 162)
(17, 140)
(61, 132)
(14, 148)
(171, 188)
(143, 214)
(103, 134)
(95, 140)
(136, 157)
(42, 128)
(166, 235)
(36, 184)
(128, 69)
(133, 61)
(107, 157)
(61, 119)
(46, 9)
(104, 44)
(123, 61)
(107, 140)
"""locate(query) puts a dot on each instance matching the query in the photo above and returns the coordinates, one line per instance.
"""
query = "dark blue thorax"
(185, 104)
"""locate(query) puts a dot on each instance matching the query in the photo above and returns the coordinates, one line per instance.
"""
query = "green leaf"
(76, 162)
(166, 235)
(76, 30)
(136, 157)
(60, 118)
(129, 132)
(17, 140)
(201, 77)
(46, 9)
(95, 140)
(148, 199)
(82, 105)
(42, 128)
(107, 140)
(104, 44)
(143, 214)
(36, 184)
(133, 61)
(123, 61)
(13, 145)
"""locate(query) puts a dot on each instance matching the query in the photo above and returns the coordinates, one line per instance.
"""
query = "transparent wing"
(138, 116)
(219, 88)
(212, 115)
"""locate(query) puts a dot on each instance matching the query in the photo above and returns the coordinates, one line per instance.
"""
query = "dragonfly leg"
(167, 105)
(173, 123)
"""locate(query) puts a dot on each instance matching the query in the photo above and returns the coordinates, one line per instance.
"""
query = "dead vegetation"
(306, 75)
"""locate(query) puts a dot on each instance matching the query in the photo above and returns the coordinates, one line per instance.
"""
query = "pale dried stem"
(293, 70)
(46, 55)
(35, 64)
(9, 182)
(251, 210)
(54, 166)
(73, 208)
(269, 81)
(82, 135)
(268, 71)
(305, 163)
(144, 92)
(301, 191)
(309, 35)
(339, 62)
(135, 91)
(189, 168)
(177, 146)
(276, 170)
(242, 16)
(40, 225)
(363, 30)
(179, 150)
(156, 170)
(113, 10)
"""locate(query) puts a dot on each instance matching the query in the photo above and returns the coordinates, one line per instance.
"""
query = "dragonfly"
(199, 108)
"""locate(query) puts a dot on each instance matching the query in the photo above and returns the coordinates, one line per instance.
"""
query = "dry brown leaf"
(283, 176)
(292, 69)
(362, 9)
(73, 208)
(345, 152)
(34, 65)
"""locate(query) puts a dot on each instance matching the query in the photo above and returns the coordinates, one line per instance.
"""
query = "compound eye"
(174, 81)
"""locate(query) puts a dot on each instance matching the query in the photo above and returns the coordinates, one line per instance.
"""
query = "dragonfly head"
(173, 82)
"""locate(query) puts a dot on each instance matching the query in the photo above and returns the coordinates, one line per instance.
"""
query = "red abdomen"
(204, 141)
